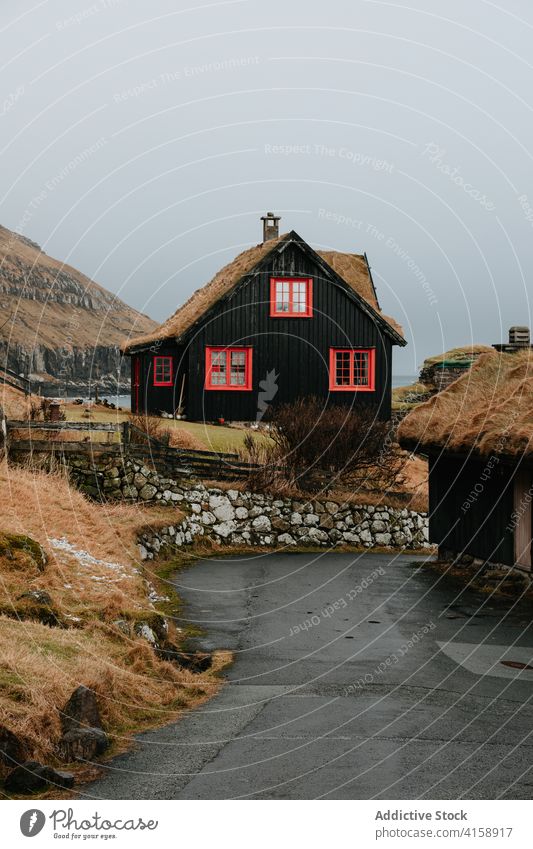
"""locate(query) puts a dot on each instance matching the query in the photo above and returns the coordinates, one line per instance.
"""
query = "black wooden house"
(281, 321)
(478, 437)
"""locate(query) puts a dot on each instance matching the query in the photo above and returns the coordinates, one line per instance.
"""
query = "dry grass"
(14, 403)
(41, 665)
(460, 354)
(489, 409)
(351, 267)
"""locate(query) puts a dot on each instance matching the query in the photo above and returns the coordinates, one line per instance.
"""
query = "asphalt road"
(356, 676)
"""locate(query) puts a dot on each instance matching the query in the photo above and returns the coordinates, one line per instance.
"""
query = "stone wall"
(241, 518)
(246, 518)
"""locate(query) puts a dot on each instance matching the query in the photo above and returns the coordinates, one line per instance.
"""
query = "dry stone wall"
(246, 518)
(243, 518)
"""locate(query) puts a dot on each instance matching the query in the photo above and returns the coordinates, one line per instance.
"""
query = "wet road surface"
(356, 676)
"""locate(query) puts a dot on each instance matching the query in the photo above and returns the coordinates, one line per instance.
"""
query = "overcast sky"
(141, 142)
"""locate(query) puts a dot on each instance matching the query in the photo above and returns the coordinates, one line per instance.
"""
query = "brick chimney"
(519, 340)
(270, 226)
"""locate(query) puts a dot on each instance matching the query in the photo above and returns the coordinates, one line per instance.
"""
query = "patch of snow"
(82, 556)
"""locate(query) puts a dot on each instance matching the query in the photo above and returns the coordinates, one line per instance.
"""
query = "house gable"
(325, 272)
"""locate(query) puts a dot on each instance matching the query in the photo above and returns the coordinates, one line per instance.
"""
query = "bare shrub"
(151, 426)
(270, 473)
(316, 447)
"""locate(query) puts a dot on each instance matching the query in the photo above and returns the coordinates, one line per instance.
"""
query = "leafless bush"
(269, 473)
(151, 426)
(315, 447)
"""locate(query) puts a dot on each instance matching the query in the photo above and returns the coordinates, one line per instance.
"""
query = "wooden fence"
(137, 445)
(133, 443)
(15, 380)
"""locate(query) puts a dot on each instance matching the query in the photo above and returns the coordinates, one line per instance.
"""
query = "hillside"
(73, 604)
(66, 327)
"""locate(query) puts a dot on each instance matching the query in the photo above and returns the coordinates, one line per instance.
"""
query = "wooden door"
(523, 517)
(136, 383)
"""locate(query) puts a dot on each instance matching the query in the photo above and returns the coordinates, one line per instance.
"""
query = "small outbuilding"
(478, 437)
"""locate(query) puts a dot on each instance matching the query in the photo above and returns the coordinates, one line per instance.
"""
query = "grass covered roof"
(488, 410)
(352, 268)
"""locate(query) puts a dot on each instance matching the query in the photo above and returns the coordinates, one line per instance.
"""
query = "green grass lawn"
(211, 437)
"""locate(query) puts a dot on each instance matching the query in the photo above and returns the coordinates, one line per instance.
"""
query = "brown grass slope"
(52, 304)
(40, 663)
(488, 410)
(461, 354)
(13, 402)
(351, 267)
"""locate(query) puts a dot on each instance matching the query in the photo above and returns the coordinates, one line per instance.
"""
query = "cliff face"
(60, 326)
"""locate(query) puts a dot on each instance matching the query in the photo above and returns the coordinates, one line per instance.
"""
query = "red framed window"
(163, 371)
(228, 368)
(291, 297)
(352, 369)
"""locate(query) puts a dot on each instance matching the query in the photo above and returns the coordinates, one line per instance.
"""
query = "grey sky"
(139, 144)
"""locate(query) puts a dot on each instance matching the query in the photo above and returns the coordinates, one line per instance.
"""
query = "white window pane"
(238, 368)
(218, 368)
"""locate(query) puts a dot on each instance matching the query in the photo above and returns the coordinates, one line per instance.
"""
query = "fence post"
(126, 433)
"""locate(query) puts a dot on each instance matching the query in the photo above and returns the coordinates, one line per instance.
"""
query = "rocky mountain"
(58, 325)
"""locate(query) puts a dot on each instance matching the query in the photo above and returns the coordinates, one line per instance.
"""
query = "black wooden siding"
(479, 529)
(296, 348)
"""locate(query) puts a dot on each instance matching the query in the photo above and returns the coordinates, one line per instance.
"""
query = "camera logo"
(32, 822)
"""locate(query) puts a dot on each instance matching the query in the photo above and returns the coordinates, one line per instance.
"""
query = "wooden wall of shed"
(471, 505)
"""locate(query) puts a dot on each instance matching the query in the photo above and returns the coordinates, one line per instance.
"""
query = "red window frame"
(290, 282)
(353, 369)
(211, 368)
(164, 362)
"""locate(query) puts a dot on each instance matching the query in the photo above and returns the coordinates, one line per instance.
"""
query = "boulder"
(31, 777)
(280, 524)
(12, 750)
(147, 493)
(143, 630)
(365, 536)
(224, 512)
(286, 539)
(382, 539)
(327, 521)
(217, 501)
(81, 710)
(261, 524)
(311, 519)
(316, 535)
(224, 529)
(193, 661)
(26, 778)
(350, 537)
(82, 744)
